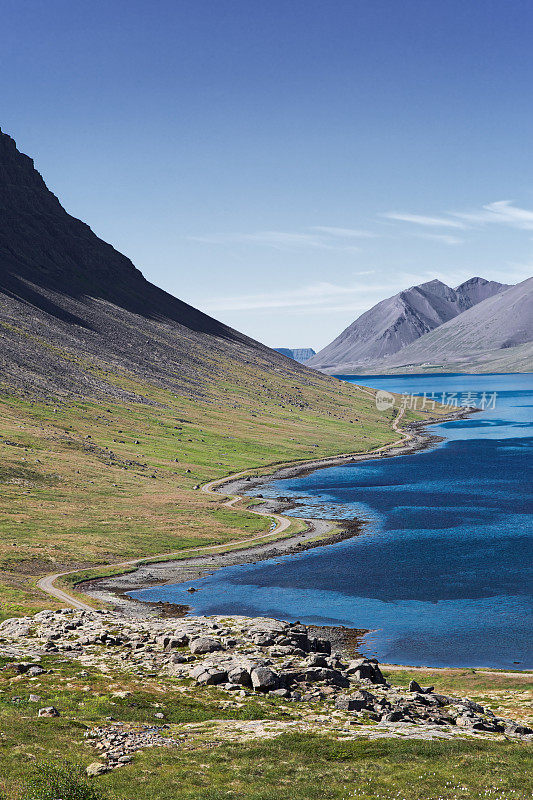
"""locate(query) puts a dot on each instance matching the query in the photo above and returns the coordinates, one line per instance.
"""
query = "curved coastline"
(318, 532)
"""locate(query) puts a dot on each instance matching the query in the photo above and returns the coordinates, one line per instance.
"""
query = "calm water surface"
(441, 575)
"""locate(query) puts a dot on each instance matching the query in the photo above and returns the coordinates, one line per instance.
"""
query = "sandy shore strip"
(317, 532)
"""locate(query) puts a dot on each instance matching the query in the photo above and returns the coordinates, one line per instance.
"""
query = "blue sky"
(283, 165)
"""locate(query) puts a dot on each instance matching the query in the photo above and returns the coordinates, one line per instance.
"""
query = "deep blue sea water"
(441, 575)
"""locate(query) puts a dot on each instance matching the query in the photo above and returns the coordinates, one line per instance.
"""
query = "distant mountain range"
(300, 354)
(480, 326)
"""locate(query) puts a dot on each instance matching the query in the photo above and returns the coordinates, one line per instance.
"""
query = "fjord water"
(441, 574)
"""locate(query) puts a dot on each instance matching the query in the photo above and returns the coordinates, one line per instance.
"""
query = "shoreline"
(318, 532)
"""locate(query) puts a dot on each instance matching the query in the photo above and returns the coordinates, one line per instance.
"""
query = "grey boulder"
(355, 702)
(48, 711)
(265, 679)
(414, 686)
(204, 644)
(240, 675)
(209, 676)
(515, 728)
(96, 768)
(365, 669)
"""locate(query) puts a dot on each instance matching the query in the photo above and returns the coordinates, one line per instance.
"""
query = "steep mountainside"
(499, 329)
(300, 354)
(394, 323)
(75, 313)
(475, 290)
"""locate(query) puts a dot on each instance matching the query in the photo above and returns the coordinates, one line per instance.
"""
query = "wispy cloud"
(449, 228)
(319, 237)
(445, 238)
(365, 290)
(501, 212)
(344, 233)
(280, 240)
(321, 296)
(421, 219)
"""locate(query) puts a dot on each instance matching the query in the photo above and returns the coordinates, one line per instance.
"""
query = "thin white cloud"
(439, 237)
(323, 297)
(319, 237)
(344, 233)
(500, 212)
(276, 239)
(420, 219)
(316, 296)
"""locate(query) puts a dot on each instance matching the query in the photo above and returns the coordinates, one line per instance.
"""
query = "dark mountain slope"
(75, 313)
(41, 244)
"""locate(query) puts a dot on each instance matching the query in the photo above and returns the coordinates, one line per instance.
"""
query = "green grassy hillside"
(85, 483)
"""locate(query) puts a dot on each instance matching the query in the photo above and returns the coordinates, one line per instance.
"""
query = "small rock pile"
(118, 743)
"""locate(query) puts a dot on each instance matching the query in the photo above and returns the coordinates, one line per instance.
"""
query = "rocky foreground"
(244, 658)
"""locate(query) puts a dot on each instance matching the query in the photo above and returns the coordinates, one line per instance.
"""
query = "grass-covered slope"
(85, 483)
(117, 399)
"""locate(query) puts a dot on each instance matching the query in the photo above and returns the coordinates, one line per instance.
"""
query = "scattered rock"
(355, 702)
(474, 723)
(366, 669)
(34, 671)
(96, 768)
(414, 686)
(117, 743)
(265, 679)
(209, 676)
(204, 644)
(48, 711)
(236, 654)
(240, 676)
(27, 668)
(393, 716)
(514, 728)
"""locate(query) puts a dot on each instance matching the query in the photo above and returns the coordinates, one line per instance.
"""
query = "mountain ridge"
(499, 325)
(398, 321)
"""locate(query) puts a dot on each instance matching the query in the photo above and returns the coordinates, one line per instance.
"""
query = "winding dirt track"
(279, 523)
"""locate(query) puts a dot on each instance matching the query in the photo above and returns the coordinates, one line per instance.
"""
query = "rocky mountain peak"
(23, 189)
(477, 289)
(400, 320)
